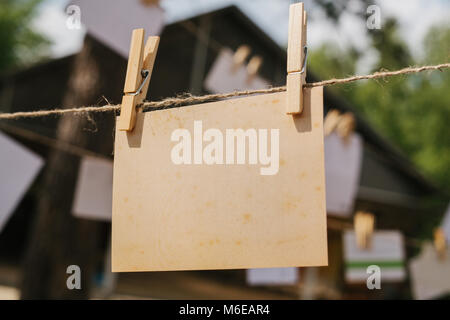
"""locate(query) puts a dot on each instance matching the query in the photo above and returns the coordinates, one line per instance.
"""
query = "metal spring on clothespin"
(145, 75)
(440, 243)
(331, 121)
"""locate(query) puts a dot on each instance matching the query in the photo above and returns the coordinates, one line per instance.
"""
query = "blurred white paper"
(430, 276)
(342, 172)
(446, 224)
(93, 194)
(112, 22)
(221, 77)
(386, 252)
(18, 169)
(272, 276)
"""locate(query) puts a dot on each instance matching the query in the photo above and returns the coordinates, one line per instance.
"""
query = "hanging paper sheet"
(343, 160)
(430, 275)
(93, 193)
(230, 184)
(18, 169)
(386, 252)
(112, 22)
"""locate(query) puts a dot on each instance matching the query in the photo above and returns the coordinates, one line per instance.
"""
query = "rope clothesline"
(179, 101)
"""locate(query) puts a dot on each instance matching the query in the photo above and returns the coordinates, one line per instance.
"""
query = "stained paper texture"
(93, 193)
(386, 252)
(260, 205)
(222, 78)
(18, 169)
(430, 276)
(112, 22)
(272, 276)
(343, 160)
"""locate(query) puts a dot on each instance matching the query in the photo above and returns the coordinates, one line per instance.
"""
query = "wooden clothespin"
(240, 56)
(346, 125)
(253, 67)
(139, 72)
(296, 56)
(440, 243)
(364, 224)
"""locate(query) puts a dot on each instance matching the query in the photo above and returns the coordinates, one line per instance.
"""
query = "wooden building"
(390, 186)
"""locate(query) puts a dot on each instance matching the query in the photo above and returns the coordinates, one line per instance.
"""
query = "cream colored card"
(189, 195)
(93, 193)
(223, 78)
(430, 275)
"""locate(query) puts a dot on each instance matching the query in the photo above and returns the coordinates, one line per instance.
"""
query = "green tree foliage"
(19, 43)
(410, 111)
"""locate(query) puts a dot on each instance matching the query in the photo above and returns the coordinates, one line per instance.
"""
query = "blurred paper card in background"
(386, 252)
(343, 160)
(18, 169)
(224, 78)
(113, 24)
(430, 275)
(272, 276)
(93, 194)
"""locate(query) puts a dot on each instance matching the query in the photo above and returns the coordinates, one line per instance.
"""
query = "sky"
(414, 16)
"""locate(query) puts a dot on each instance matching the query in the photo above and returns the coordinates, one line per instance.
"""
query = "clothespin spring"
(305, 60)
(140, 65)
(146, 75)
(296, 59)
